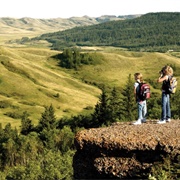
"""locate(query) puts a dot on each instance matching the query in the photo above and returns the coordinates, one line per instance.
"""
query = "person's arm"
(162, 78)
(135, 95)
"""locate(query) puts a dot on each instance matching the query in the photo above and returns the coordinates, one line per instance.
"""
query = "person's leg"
(144, 111)
(168, 109)
(139, 105)
(140, 110)
(163, 107)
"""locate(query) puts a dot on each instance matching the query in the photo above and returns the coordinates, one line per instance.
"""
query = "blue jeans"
(142, 110)
(165, 103)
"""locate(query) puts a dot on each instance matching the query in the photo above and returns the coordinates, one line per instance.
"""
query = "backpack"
(144, 91)
(171, 85)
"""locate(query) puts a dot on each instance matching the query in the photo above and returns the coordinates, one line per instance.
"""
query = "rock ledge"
(124, 150)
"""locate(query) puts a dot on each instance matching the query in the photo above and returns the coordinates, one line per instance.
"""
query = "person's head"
(167, 70)
(138, 76)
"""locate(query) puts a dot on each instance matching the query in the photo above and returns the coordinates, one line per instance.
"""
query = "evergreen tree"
(175, 105)
(115, 105)
(48, 119)
(128, 105)
(101, 113)
(26, 124)
(67, 60)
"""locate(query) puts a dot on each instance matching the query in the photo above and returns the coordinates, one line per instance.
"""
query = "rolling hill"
(13, 28)
(31, 79)
(149, 32)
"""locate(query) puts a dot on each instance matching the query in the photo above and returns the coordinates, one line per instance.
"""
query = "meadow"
(31, 79)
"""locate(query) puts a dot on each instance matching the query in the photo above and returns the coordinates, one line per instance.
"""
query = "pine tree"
(26, 124)
(101, 113)
(48, 118)
(128, 105)
(115, 105)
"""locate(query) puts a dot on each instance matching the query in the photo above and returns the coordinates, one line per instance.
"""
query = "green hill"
(13, 28)
(149, 32)
(31, 79)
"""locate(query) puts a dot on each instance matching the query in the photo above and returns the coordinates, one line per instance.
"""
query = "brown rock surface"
(124, 150)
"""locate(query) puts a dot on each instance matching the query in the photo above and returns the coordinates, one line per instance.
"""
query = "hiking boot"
(143, 120)
(161, 121)
(137, 122)
(168, 120)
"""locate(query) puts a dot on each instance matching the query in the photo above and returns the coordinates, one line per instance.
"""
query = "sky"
(46, 9)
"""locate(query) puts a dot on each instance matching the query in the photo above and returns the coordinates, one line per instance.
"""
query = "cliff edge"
(123, 150)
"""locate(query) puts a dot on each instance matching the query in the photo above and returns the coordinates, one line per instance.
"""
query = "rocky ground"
(124, 150)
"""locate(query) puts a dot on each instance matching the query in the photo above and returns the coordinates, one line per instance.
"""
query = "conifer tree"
(128, 105)
(115, 105)
(101, 112)
(26, 124)
(48, 118)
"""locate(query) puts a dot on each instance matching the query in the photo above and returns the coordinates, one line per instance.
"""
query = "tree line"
(72, 58)
(149, 32)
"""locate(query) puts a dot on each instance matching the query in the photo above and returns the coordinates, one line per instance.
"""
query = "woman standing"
(165, 75)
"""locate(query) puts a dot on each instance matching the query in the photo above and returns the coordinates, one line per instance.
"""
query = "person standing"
(141, 104)
(165, 75)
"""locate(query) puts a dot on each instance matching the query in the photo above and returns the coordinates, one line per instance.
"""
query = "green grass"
(119, 64)
(30, 79)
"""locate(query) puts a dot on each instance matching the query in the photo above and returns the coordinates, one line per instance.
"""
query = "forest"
(149, 32)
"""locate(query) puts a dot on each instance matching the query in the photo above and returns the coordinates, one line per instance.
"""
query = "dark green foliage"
(168, 169)
(14, 115)
(44, 152)
(76, 122)
(4, 104)
(48, 119)
(154, 106)
(115, 102)
(101, 113)
(128, 105)
(150, 32)
(71, 58)
(175, 105)
(26, 124)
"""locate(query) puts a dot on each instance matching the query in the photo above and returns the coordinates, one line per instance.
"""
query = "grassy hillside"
(150, 32)
(13, 28)
(31, 79)
(118, 64)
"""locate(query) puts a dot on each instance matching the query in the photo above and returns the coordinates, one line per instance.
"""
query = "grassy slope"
(119, 64)
(30, 79)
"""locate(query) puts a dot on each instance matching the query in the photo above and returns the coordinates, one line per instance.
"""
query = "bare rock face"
(124, 150)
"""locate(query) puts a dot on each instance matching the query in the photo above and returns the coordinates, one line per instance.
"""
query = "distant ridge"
(37, 26)
(149, 32)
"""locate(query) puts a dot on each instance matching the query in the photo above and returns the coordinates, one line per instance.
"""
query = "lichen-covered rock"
(124, 150)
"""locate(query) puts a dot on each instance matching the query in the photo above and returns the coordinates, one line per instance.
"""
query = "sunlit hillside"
(13, 28)
(119, 63)
(30, 80)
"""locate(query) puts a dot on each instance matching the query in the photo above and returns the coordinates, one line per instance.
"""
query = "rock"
(124, 150)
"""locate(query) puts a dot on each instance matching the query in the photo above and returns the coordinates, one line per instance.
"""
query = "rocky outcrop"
(124, 150)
